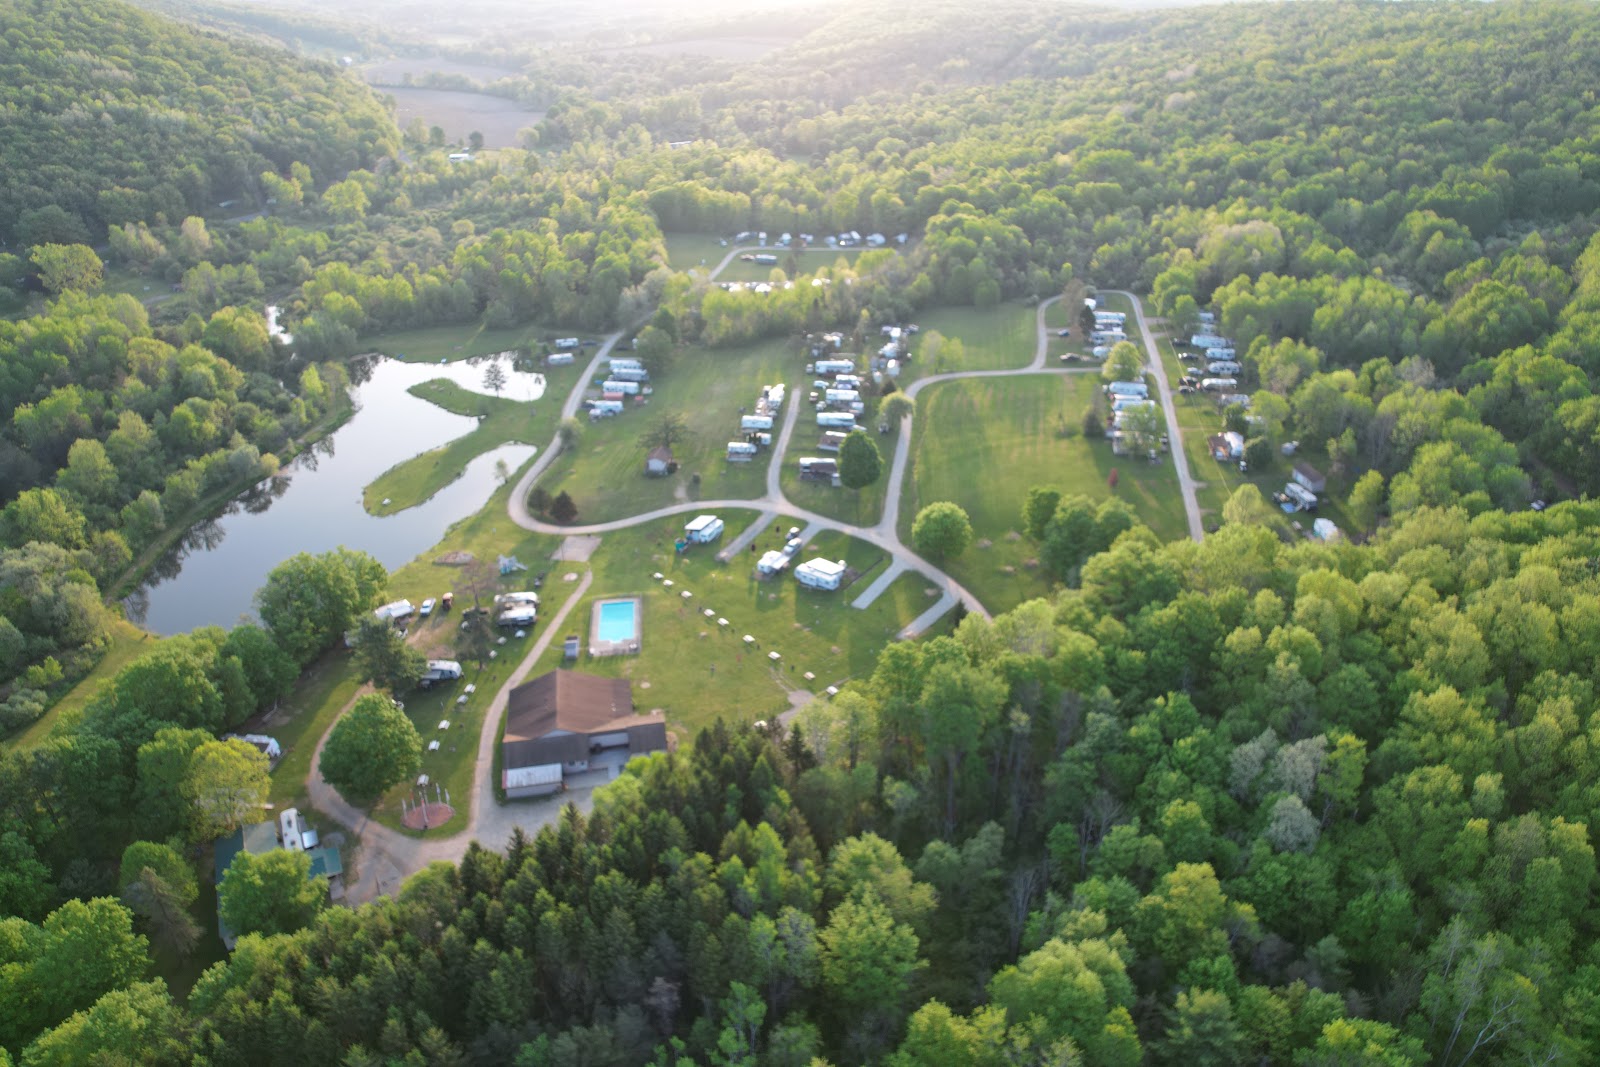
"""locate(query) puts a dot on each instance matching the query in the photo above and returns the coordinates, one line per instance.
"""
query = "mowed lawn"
(985, 443)
(604, 474)
(697, 670)
(686, 251)
(1000, 338)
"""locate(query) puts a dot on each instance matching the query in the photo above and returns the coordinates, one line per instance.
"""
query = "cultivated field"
(460, 114)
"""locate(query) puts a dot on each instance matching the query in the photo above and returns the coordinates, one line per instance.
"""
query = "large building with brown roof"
(566, 723)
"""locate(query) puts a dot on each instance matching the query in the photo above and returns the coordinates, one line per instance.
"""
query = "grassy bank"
(500, 421)
(127, 643)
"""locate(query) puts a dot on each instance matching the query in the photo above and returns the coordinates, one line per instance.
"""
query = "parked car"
(427, 608)
(1064, 333)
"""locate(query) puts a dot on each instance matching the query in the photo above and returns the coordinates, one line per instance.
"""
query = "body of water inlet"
(315, 503)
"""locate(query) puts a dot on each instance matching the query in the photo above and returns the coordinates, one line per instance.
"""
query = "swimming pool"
(617, 621)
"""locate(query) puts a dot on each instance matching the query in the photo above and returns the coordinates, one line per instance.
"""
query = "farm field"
(461, 114)
(604, 473)
(1000, 338)
(984, 444)
(396, 70)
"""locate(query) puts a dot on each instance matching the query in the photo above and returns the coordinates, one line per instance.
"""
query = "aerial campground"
(693, 533)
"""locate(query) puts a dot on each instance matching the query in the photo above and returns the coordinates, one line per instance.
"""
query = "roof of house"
(567, 700)
(325, 862)
(1307, 470)
(254, 838)
(662, 453)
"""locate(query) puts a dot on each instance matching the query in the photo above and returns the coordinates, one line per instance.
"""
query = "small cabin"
(658, 462)
(1310, 477)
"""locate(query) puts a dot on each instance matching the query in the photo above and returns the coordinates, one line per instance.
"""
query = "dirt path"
(1180, 459)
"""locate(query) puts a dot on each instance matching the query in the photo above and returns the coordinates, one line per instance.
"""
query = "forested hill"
(111, 115)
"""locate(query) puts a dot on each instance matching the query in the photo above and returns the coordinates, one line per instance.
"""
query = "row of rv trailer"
(625, 377)
(757, 426)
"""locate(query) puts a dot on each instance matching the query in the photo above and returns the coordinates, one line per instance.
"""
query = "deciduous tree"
(374, 746)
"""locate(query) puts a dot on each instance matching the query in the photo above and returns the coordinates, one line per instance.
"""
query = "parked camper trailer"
(837, 420)
(1296, 497)
(1110, 318)
(741, 451)
(756, 422)
(1209, 340)
(558, 359)
(765, 257)
(1128, 403)
(394, 612)
(834, 366)
(612, 385)
(1107, 337)
(566, 344)
(703, 529)
(1223, 367)
(1218, 385)
(818, 467)
(819, 573)
(1208, 318)
(841, 396)
(604, 409)
(1220, 353)
(1134, 389)
(440, 670)
(291, 827)
(630, 374)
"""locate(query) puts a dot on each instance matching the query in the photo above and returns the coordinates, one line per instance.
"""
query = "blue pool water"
(619, 621)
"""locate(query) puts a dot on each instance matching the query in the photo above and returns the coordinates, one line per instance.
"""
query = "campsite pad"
(576, 549)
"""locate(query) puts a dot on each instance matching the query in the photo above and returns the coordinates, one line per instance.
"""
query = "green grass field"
(1000, 338)
(501, 422)
(686, 251)
(697, 670)
(462, 341)
(604, 473)
(793, 262)
(984, 444)
(128, 642)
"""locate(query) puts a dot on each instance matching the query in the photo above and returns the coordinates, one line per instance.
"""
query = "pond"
(314, 504)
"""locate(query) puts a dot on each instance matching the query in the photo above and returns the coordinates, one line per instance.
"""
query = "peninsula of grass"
(984, 443)
(604, 470)
(500, 421)
(863, 507)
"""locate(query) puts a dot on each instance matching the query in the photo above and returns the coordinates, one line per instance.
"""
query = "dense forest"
(113, 116)
(1221, 803)
(1234, 802)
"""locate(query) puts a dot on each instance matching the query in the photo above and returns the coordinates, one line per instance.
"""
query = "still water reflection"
(314, 504)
